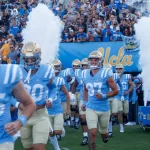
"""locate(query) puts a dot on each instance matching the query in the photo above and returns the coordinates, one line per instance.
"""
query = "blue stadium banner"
(114, 53)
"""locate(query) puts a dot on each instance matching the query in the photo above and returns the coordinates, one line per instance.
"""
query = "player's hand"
(126, 93)
(49, 103)
(122, 98)
(83, 107)
(99, 96)
(13, 127)
(68, 112)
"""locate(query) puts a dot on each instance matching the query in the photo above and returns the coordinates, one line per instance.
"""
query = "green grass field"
(134, 138)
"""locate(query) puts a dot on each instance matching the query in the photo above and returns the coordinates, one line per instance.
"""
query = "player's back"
(10, 76)
(37, 83)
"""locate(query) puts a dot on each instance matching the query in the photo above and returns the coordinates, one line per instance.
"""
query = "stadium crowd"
(84, 21)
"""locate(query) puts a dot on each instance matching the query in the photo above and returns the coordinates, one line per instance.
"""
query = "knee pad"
(73, 108)
(83, 123)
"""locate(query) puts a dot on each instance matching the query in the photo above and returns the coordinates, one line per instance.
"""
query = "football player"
(10, 83)
(38, 79)
(74, 95)
(97, 83)
(79, 83)
(114, 100)
(65, 99)
(127, 86)
(56, 112)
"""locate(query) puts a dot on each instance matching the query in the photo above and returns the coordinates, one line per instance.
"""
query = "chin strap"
(28, 76)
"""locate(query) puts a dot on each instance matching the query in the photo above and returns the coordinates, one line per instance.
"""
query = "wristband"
(22, 119)
(72, 80)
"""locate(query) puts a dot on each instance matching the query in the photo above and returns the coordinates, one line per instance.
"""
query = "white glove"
(72, 97)
(122, 98)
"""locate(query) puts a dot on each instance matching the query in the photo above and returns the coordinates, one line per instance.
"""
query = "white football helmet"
(119, 69)
(98, 55)
(84, 63)
(76, 64)
(31, 55)
(57, 65)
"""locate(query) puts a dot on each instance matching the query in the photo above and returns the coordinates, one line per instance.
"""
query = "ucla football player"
(97, 83)
(114, 100)
(127, 86)
(74, 95)
(56, 112)
(38, 79)
(65, 98)
(79, 83)
(10, 83)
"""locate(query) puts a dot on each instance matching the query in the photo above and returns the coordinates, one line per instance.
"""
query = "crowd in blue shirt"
(84, 20)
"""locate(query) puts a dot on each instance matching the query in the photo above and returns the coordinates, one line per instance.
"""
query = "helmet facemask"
(31, 62)
(119, 69)
(97, 57)
(57, 65)
(31, 55)
(57, 68)
(76, 64)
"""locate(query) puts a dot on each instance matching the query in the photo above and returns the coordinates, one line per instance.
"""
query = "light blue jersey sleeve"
(10, 77)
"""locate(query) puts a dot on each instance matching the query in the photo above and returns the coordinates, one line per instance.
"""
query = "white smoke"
(142, 29)
(45, 29)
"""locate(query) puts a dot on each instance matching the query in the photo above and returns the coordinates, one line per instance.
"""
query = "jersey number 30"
(36, 91)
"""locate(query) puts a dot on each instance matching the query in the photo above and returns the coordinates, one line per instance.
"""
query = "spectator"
(3, 32)
(123, 5)
(18, 37)
(132, 107)
(4, 51)
(139, 91)
(2, 42)
(107, 33)
(117, 35)
(13, 55)
(71, 37)
(81, 36)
